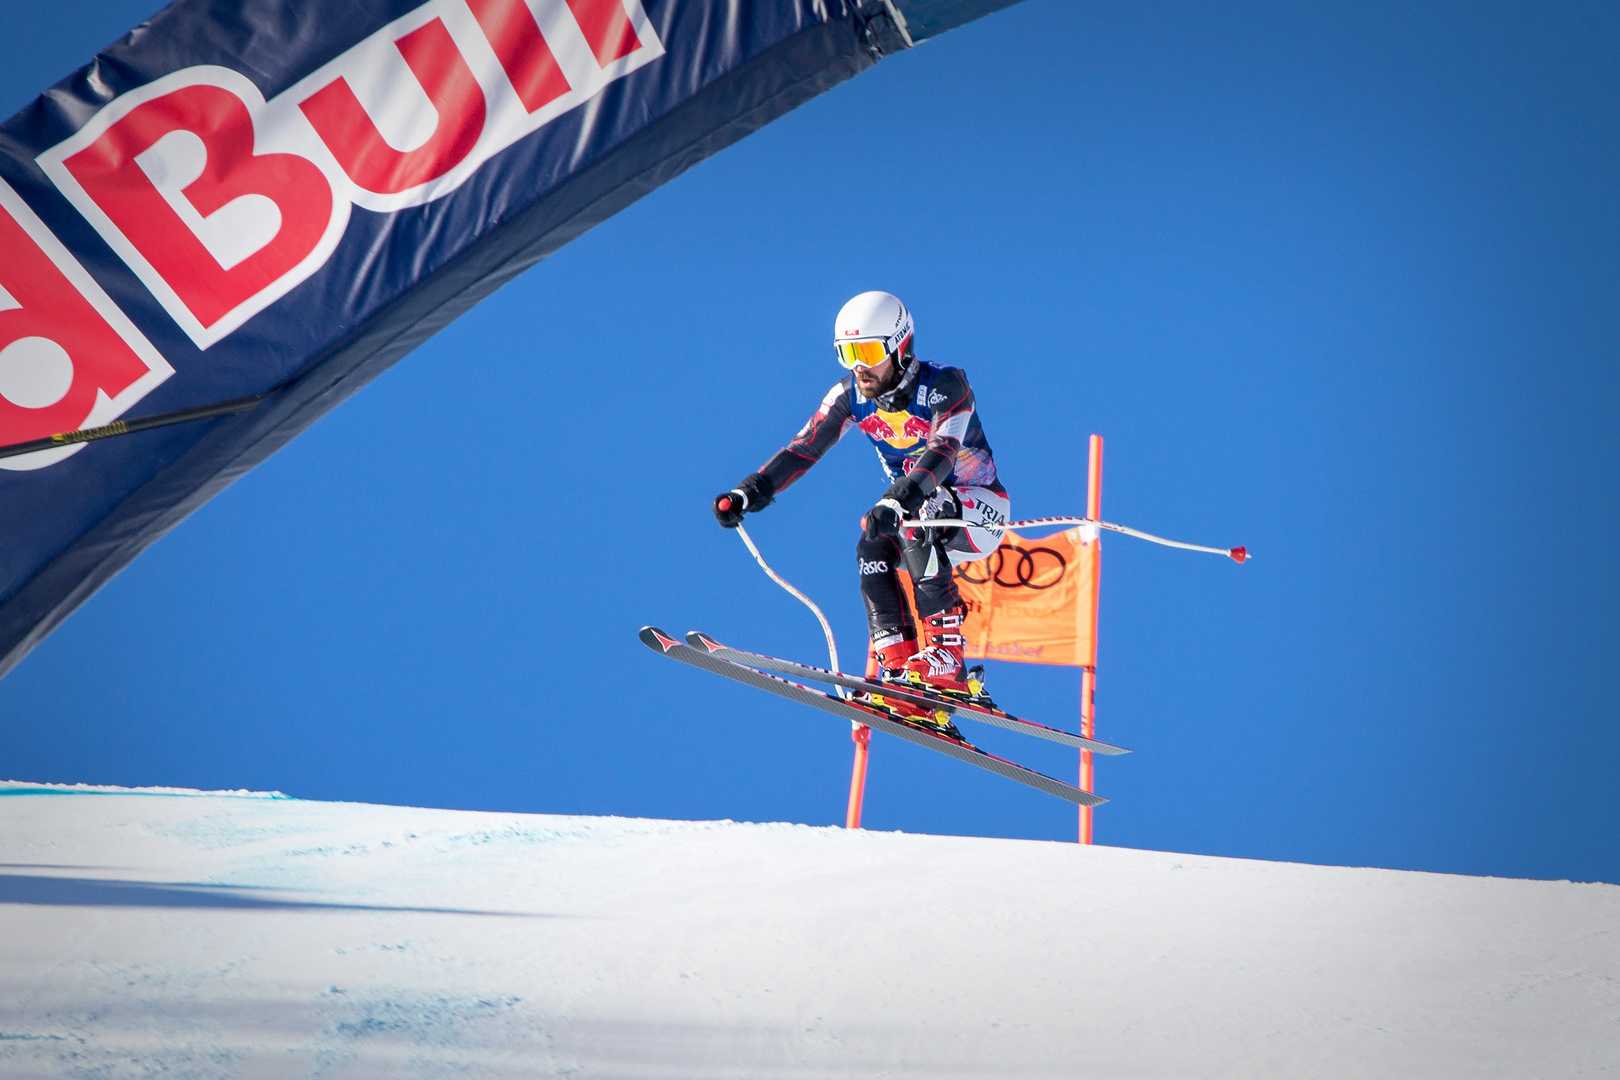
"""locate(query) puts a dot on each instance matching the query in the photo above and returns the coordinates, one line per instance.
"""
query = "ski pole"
(826, 628)
(1237, 554)
(127, 427)
(858, 731)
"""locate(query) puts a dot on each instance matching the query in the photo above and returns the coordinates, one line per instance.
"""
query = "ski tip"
(654, 638)
(699, 640)
(1239, 554)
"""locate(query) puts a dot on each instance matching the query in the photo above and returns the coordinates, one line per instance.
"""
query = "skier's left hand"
(902, 499)
(883, 519)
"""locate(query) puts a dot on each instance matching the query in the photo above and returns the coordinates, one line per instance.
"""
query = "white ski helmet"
(871, 328)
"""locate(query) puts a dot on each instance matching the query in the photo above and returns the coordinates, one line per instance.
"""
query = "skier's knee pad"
(924, 555)
(932, 582)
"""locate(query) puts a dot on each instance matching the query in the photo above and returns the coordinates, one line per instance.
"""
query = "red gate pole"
(862, 735)
(1088, 674)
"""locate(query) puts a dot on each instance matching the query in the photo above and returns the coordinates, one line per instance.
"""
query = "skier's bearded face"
(872, 381)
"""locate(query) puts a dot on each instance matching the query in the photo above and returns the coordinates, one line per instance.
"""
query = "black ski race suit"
(933, 449)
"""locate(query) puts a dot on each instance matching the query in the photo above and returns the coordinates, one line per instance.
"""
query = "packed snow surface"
(189, 934)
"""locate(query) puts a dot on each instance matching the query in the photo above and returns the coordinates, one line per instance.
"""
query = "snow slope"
(187, 934)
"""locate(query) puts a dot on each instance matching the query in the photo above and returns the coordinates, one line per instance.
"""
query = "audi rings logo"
(1034, 568)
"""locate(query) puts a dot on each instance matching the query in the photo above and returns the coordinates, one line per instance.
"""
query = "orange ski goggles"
(854, 354)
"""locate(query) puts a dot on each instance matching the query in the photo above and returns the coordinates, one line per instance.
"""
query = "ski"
(870, 715)
(964, 709)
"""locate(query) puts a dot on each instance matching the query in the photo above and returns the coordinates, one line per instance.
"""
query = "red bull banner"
(1034, 601)
(283, 197)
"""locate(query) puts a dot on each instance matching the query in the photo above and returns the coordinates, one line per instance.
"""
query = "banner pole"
(130, 427)
(1088, 674)
(862, 736)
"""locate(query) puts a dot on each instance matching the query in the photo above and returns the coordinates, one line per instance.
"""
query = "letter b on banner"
(216, 219)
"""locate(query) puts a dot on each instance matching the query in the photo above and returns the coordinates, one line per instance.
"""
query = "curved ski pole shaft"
(826, 628)
(1237, 554)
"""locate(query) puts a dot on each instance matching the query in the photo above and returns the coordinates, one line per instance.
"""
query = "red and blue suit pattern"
(925, 428)
(928, 421)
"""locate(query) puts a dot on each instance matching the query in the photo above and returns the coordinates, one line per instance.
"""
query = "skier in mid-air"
(921, 418)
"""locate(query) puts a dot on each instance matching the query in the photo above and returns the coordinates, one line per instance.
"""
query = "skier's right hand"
(728, 509)
(753, 494)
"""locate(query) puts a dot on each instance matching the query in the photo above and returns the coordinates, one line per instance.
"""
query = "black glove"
(902, 500)
(883, 520)
(908, 492)
(753, 494)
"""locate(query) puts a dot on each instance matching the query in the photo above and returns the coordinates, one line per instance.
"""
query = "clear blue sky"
(1338, 285)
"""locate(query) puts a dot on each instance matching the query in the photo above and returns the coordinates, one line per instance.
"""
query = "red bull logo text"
(222, 202)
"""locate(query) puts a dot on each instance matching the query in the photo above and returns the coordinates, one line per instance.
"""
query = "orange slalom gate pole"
(1088, 684)
(1088, 675)
(862, 736)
